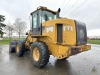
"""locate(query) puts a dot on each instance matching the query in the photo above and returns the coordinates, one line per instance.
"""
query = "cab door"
(36, 26)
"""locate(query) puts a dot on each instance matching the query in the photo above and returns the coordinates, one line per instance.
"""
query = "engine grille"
(81, 33)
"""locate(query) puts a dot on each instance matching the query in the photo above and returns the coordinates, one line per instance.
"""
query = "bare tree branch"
(9, 29)
(19, 26)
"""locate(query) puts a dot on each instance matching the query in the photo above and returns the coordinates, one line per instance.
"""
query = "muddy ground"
(85, 63)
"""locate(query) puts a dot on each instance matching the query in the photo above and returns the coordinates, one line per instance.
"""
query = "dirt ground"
(85, 63)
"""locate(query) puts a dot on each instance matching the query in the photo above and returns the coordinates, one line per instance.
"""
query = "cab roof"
(44, 8)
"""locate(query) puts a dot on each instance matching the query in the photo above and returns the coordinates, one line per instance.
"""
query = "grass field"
(94, 41)
(6, 41)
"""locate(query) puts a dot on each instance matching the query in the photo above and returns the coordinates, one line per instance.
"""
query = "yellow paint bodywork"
(59, 50)
(67, 34)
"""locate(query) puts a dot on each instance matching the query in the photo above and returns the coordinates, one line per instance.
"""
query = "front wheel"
(39, 54)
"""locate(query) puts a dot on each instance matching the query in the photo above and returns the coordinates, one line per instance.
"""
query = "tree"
(2, 25)
(19, 26)
(2, 18)
(9, 29)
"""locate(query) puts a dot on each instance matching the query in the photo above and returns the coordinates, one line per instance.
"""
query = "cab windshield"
(46, 15)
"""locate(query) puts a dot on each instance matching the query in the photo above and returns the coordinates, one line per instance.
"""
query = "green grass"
(6, 41)
(94, 41)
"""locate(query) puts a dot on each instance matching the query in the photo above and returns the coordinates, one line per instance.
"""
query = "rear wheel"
(20, 48)
(39, 54)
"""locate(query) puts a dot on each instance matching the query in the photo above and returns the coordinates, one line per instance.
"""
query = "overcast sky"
(87, 11)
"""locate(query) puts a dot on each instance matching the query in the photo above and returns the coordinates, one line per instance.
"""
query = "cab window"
(46, 15)
(34, 20)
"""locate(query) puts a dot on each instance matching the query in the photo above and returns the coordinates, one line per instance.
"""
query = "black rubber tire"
(12, 46)
(21, 45)
(44, 54)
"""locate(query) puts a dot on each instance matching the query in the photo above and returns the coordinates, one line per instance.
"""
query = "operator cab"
(42, 14)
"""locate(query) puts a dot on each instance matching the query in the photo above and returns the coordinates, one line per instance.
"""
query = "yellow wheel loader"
(51, 34)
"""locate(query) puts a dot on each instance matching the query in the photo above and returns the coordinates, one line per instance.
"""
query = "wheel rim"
(36, 54)
(17, 48)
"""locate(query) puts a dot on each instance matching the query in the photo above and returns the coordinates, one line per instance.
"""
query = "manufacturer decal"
(69, 28)
(49, 29)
